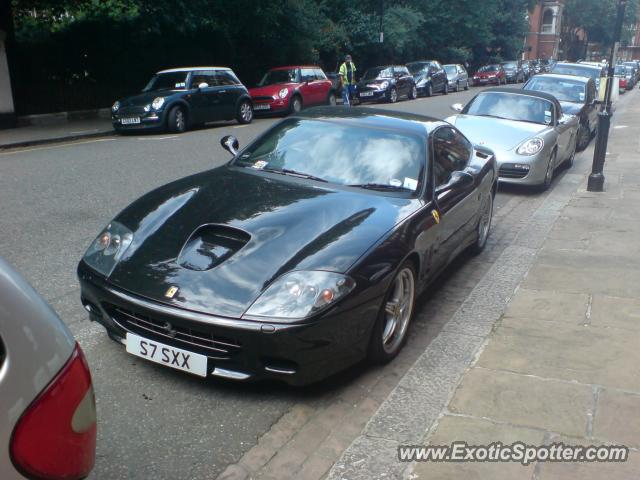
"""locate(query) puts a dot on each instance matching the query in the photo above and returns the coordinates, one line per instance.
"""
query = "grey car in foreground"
(527, 131)
(457, 76)
(47, 405)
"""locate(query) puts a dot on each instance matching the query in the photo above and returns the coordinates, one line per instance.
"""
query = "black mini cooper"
(182, 97)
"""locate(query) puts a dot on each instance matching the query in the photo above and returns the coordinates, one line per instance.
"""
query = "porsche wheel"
(548, 177)
(390, 330)
(484, 225)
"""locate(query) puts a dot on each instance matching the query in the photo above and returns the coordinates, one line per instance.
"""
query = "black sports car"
(301, 256)
(178, 98)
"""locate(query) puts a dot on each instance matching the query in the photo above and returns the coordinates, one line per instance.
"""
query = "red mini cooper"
(288, 89)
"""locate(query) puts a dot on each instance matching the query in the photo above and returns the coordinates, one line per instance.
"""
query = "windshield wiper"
(294, 173)
(379, 186)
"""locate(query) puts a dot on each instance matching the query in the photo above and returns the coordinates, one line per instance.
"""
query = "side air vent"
(210, 245)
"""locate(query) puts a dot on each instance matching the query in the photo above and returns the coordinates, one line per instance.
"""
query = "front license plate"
(263, 106)
(165, 355)
(366, 94)
(130, 120)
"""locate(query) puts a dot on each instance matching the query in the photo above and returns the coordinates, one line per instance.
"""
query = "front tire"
(177, 119)
(457, 86)
(445, 89)
(484, 225)
(295, 104)
(393, 95)
(244, 115)
(466, 85)
(413, 94)
(428, 90)
(390, 330)
(548, 177)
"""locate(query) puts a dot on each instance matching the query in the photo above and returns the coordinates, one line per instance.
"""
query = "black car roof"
(529, 93)
(366, 116)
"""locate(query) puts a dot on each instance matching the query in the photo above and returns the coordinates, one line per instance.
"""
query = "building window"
(547, 21)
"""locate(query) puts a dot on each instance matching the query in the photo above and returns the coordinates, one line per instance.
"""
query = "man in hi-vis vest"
(347, 74)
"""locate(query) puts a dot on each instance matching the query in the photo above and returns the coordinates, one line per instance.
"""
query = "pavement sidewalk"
(545, 349)
(58, 130)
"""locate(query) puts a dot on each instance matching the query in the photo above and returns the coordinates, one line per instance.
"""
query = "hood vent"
(210, 245)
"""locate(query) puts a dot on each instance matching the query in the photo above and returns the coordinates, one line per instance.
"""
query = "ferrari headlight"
(283, 93)
(107, 249)
(300, 294)
(157, 103)
(531, 146)
(115, 107)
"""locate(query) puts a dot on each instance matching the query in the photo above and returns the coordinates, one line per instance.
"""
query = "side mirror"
(458, 181)
(203, 85)
(230, 144)
(456, 107)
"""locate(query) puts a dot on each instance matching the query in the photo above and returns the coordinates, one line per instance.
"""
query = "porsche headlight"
(300, 294)
(531, 146)
(107, 249)
(115, 107)
(283, 93)
(157, 103)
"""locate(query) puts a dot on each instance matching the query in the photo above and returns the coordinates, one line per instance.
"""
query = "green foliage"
(110, 47)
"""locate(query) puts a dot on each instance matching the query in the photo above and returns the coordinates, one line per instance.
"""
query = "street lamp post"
(596, 178)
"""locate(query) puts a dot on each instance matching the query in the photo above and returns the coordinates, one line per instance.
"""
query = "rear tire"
(244, 115)
(331, 99)
(390, 330)
(177, 120)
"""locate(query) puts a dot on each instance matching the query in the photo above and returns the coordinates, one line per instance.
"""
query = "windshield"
(280, 76)
(378, 72)
(450, 69)
(564, 90)
(509, 66)
(488, 68)
(577, 70)
(417, 67)
(511, 106)
(167, 81)
(339, 153)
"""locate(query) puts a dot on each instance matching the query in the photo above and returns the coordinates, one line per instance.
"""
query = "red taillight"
(56, 436)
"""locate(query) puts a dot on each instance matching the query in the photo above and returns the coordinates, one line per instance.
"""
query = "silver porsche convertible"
(527, 130)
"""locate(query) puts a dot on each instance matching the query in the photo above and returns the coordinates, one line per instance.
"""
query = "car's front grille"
(511, 172)
(130, 111)
(262, 99)
(181, 336)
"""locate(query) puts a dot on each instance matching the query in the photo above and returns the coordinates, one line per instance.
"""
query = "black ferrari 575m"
(301, 256)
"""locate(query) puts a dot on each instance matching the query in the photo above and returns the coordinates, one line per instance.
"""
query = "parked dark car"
(179, 98)
(581, 70)
(577, 96)
(513, 71)
(429, 76)
(388, 83)
(301, 256)
(634, 67)
(490, 74)
(288, 89)
(457, 77)
(620, 72)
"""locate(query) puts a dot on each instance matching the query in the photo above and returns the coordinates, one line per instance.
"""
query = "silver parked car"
(457, 76)
(47, 405)
(527, 131)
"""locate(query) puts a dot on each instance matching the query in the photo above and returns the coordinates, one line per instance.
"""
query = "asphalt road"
(153, 422)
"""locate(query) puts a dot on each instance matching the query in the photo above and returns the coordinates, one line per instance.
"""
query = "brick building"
(545, 23)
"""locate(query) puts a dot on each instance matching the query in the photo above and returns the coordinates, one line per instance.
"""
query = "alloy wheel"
(414, 92)
(332, 99)
(246, 112)
(296, 105)
(398, 310)
(180, 120)
(393, 95)
(485, 223)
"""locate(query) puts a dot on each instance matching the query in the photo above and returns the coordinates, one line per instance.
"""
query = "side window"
(308, 75)
(319, 74)
(200, 77)
(225, 77)
(451, 152)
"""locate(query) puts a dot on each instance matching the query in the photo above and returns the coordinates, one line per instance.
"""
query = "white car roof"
(188, 69)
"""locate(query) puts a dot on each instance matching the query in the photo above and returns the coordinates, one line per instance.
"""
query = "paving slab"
(617, 418)
(523, 400)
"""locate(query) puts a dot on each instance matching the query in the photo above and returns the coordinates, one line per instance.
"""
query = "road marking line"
(58, 145)
(240, 126)
(157, 138)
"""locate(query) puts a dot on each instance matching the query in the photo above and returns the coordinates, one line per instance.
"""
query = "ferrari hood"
(496, 133)
(224, 235)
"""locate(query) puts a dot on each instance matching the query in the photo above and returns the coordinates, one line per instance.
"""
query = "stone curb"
(53, 140)
(418, 400)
